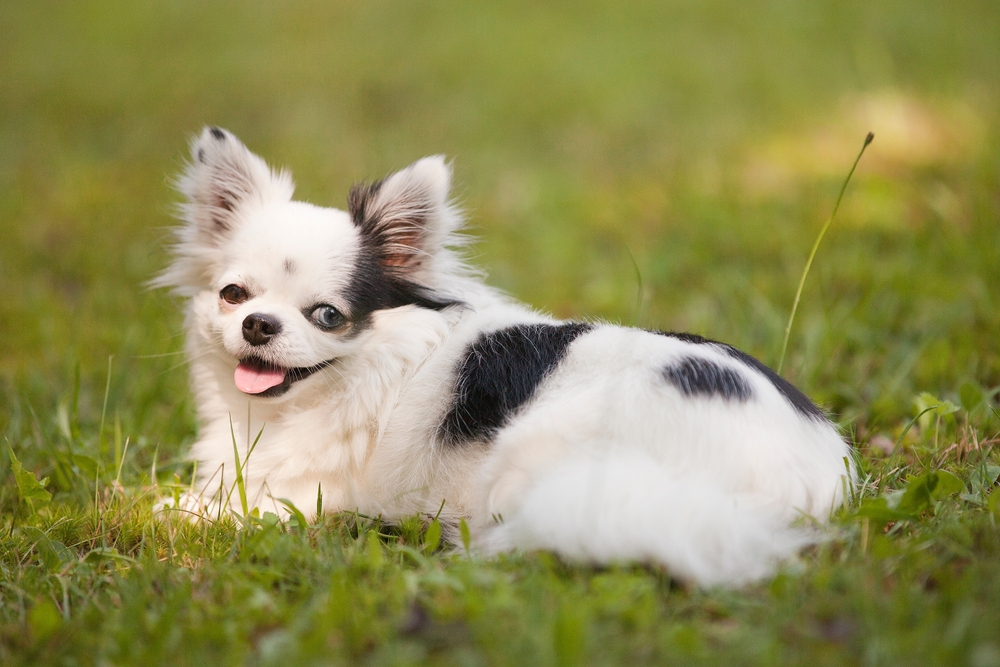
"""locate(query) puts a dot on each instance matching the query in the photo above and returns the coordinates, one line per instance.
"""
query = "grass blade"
(240, 486)
(104, 410)
(240, 481)
(463, 529)
(906, 430)
(812, 253)
(432, 538)
(639, 292)
(300, 518)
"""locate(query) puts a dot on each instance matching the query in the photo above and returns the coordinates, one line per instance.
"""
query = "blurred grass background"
(706, 141)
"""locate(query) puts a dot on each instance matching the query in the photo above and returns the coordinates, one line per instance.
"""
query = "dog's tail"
(631, 508)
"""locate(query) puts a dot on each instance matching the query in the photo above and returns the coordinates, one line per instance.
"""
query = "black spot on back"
(695, 376)
(799, 401)
(289, 266)
(499, 373)
(217, 133)
(796, 398)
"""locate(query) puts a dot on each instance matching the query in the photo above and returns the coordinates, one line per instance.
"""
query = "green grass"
(700, 145)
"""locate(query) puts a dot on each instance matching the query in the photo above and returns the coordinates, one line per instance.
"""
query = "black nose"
(259, 328)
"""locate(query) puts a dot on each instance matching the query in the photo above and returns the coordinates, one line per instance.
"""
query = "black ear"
(224, 179)
(404, 218)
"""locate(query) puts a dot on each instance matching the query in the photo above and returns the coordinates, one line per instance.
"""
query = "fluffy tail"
(631, 508)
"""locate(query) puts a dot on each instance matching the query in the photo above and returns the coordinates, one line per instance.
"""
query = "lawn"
(662, 164)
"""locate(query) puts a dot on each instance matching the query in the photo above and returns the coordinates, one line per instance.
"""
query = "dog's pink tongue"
(252, 381)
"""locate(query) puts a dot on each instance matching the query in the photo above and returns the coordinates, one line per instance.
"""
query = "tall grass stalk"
(104, 411)
(812, 254)
(639, 293)
(239, 471)
(240, 483)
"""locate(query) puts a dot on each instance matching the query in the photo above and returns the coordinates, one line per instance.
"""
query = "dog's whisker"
(158, 356)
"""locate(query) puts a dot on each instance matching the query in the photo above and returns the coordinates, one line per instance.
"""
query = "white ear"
(225, 179)
(405, 217)
(222, 182)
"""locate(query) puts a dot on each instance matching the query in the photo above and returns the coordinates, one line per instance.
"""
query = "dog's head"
(284, 288)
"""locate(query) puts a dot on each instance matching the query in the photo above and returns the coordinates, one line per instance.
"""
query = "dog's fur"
(426, 386)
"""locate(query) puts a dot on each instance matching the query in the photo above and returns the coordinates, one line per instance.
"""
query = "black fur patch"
(499, 373)
(377, 287)
(688, 337)
(695, 376)
(799, 401)
(359, 202)
(217, 133)
(201, 155)
(289, 266)
(796, 398)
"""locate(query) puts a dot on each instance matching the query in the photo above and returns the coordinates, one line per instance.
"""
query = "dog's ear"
(405, 217)
(223, 180)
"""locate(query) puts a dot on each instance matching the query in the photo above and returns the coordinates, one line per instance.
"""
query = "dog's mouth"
(259, 378)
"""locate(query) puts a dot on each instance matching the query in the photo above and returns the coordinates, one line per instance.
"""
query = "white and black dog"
(385, 372)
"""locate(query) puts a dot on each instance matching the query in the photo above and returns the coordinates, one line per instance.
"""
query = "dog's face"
(283, 289)
(279, 302)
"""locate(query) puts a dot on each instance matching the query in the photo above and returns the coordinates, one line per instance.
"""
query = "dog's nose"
(259, 328)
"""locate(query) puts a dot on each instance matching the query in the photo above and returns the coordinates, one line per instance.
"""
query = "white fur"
(606, 462)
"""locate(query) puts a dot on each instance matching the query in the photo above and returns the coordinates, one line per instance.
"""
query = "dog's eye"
(326, 317)
(233, 294)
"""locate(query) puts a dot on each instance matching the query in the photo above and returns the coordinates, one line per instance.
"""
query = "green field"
(663, 164)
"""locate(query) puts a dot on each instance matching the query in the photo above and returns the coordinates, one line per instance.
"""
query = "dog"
(361, 365)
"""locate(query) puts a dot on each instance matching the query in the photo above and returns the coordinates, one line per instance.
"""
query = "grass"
(693, 145)
(809, 260)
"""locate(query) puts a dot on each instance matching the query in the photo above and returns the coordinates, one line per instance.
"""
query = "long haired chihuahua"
(382, 375)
